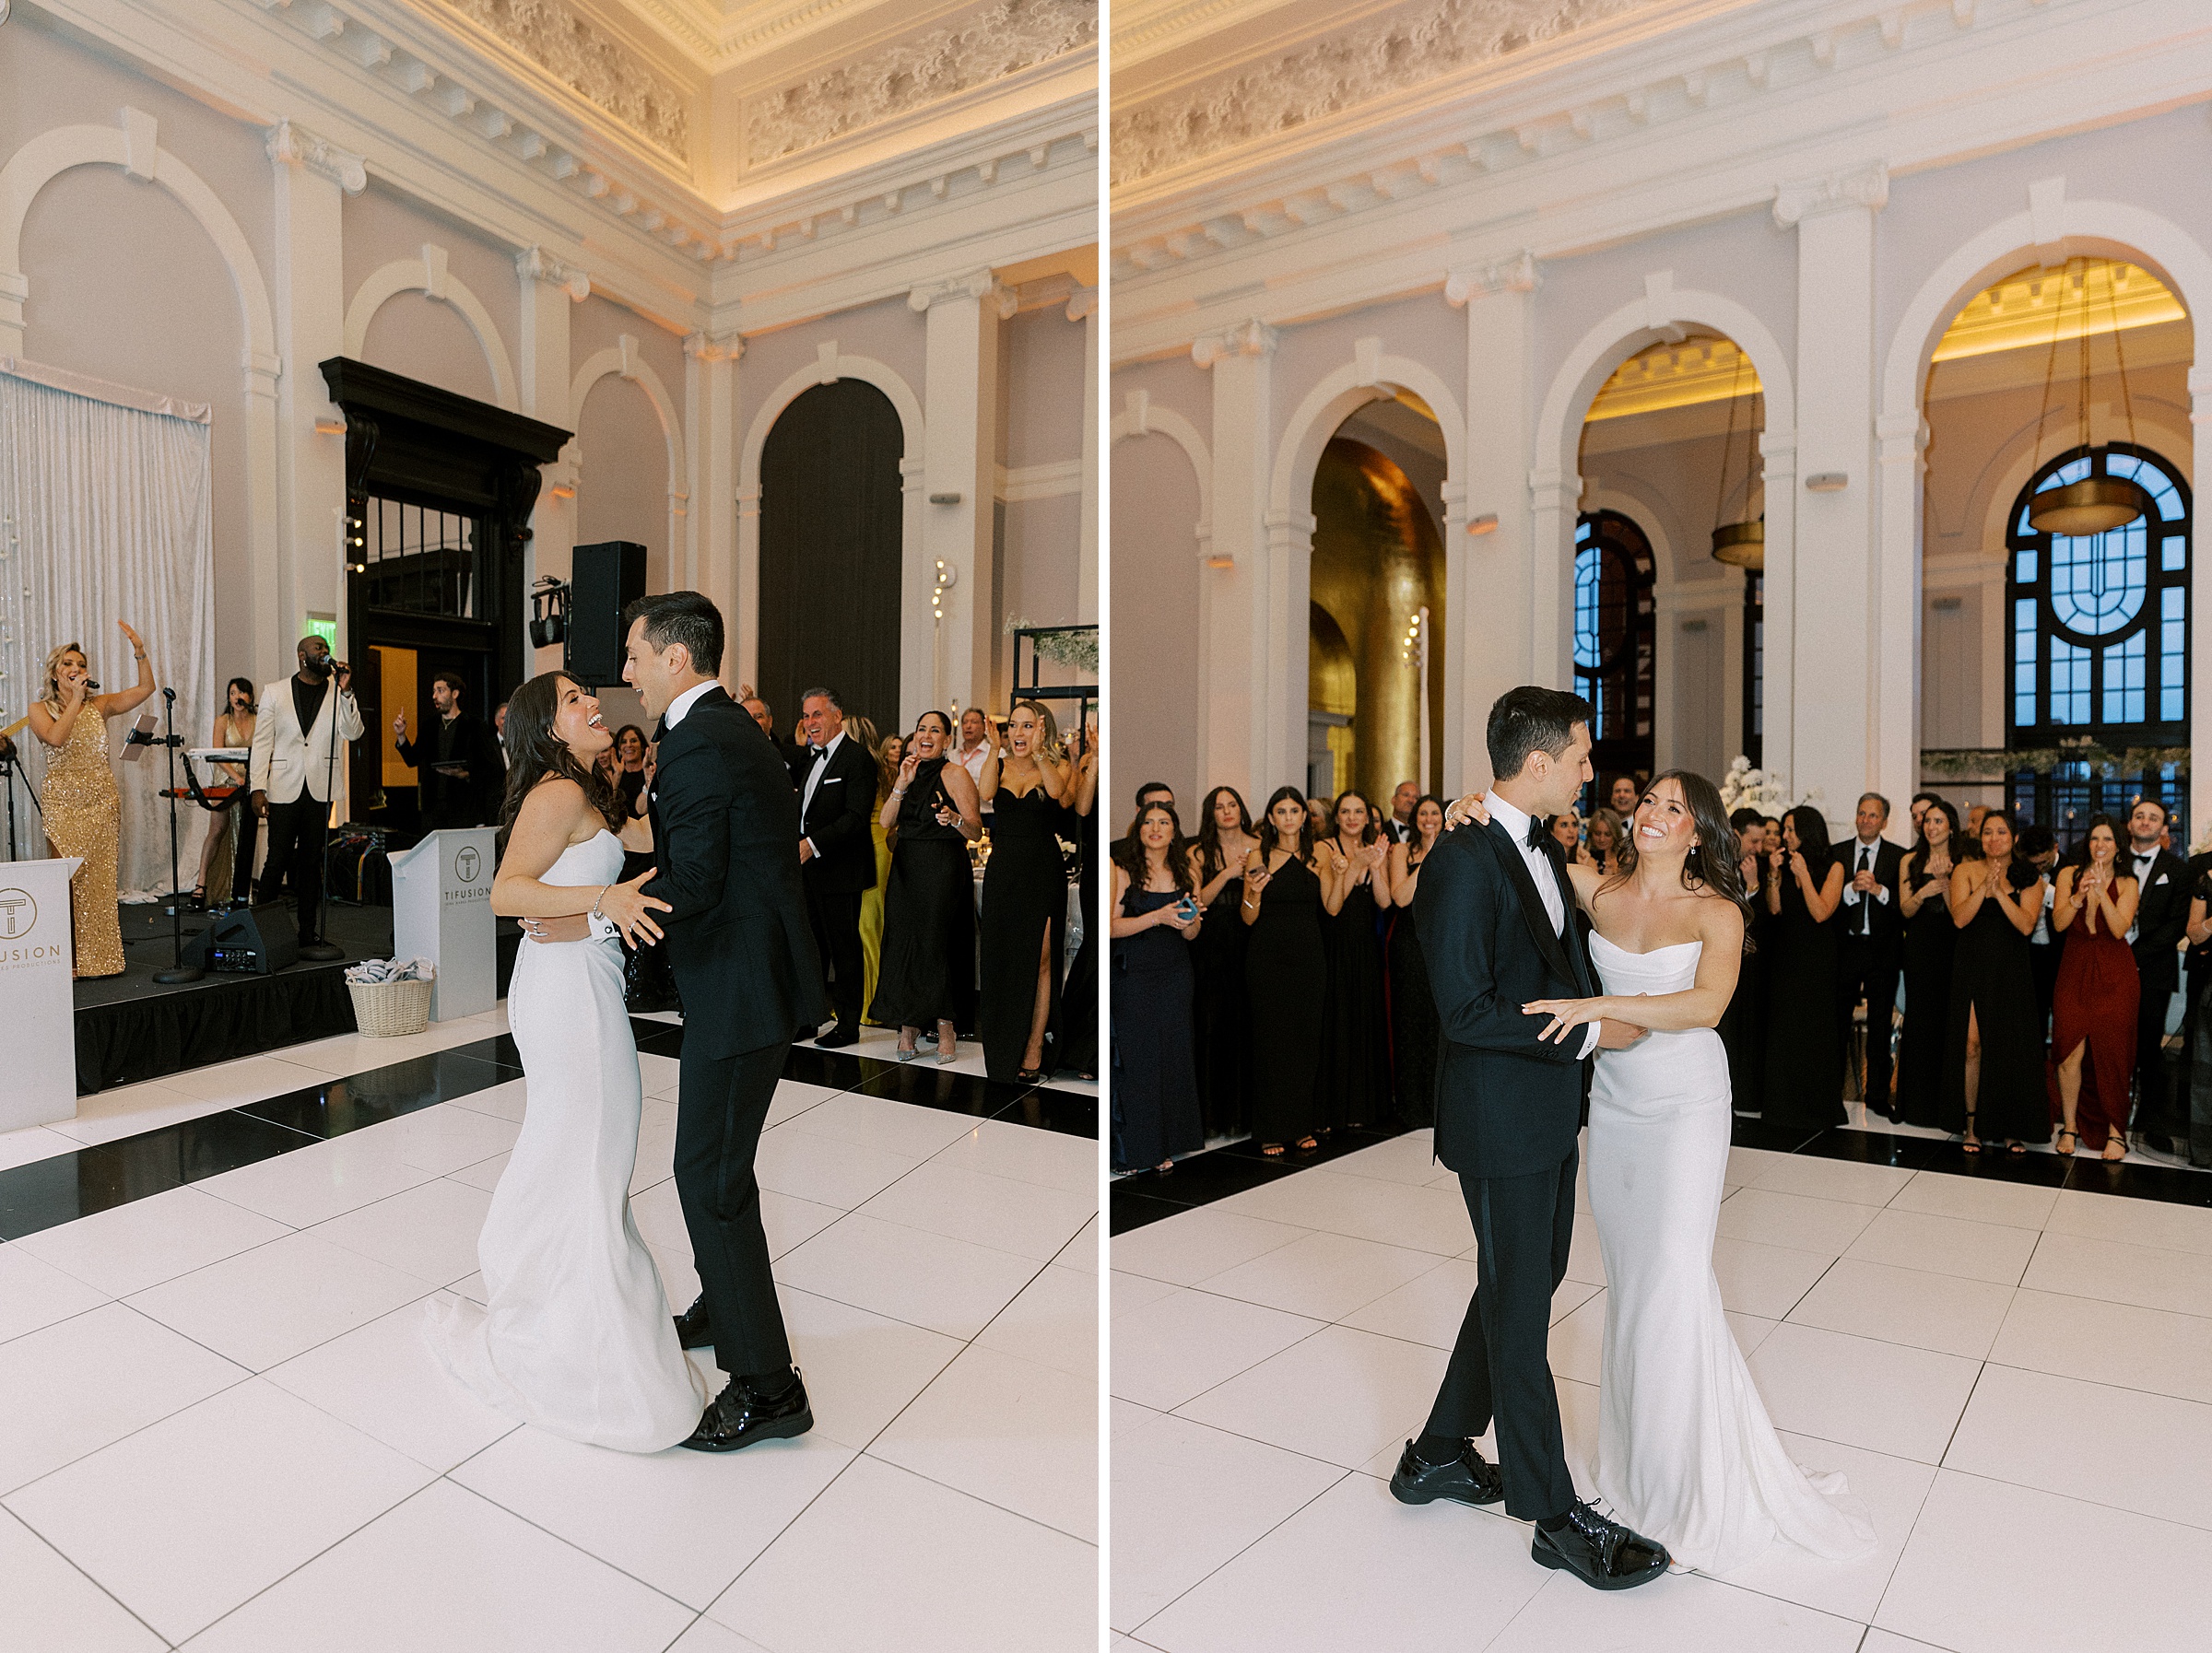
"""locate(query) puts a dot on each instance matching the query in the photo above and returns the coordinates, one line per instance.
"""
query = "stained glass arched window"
(2100, 641)
(1615, 640)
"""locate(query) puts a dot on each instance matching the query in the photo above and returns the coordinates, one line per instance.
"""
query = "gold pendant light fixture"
(1739, 545)
(2095, 504)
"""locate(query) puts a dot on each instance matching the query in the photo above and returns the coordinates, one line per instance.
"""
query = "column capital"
(976, 284)
(1867, 186)
(293, 145)
(1083, 303)
(1517, 273)
(1254, 337)
(714, 346)
(534, 263)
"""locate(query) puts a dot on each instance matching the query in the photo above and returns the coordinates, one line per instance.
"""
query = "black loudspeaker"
(250, 941)
(606, 578)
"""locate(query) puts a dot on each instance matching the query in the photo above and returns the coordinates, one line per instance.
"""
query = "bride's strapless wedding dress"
(1685, 1451)
(577, 1339)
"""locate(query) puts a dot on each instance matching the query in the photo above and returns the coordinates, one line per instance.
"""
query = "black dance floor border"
(49, 1192)
(1149, 1196)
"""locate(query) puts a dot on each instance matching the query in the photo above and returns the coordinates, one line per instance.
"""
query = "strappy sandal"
(1271, 1150)
(2015, 1147)
(2117, 1138)
(1306, 1144)
(2060, 1148)
(1970, 1144)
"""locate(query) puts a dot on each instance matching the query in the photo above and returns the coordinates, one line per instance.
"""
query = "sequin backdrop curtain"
(105, 515)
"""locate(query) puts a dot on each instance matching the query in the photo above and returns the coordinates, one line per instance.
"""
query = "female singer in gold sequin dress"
(84, 812)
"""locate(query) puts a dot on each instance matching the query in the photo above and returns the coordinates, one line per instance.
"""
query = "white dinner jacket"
(287, 758)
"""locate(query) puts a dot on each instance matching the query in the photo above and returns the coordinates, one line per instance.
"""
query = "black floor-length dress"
(1355, 1042)
(928, 913)
(1804, 1069)
(1744, 1023)
(1993, 978)
(1076, 1047)
(1286, 970)
(1155, 1083)
(1415, 1034)
(1025, 900)
(1223, 1015)
(1930, 945)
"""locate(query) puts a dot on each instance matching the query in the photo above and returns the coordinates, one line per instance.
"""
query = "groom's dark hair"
(1529, 718)
(683, 617)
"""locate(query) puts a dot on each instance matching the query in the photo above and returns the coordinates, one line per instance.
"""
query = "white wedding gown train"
(1685, 1454)
(577, 1339)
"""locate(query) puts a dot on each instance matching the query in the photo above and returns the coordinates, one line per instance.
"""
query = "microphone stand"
(11, 765)
(179, 971)
(321, 950)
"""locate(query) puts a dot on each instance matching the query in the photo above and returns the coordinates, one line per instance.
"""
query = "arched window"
(1616, 639)
(2100, 642)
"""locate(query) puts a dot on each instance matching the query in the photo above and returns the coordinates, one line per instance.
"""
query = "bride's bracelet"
(603, 889)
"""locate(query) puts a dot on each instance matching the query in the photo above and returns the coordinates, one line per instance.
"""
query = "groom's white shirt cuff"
(1515, 821)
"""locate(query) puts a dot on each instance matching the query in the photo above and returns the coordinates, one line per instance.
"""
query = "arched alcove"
(830, 552)
(622, 483)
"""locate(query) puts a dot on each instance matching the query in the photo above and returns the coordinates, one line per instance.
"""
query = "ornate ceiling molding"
(1360, 66)
(534, 263)
(1867, 186)
(1012, 36)
(1247, 338)
(294, 145)
(591, 63)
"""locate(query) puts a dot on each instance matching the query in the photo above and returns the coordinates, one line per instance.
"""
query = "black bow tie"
(659, 728)
(1539, 833)
(817, 751)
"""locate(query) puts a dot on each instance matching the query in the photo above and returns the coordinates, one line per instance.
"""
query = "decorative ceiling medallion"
(594, 65)
(1012, 36)
(1360, 66)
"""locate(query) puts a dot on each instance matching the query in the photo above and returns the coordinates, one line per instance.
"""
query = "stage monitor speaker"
(605, 579)
(250, 941)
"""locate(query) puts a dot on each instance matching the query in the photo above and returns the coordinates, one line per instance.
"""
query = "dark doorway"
(830, 553)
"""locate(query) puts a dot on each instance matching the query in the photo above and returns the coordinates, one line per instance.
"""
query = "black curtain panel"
(830, 553)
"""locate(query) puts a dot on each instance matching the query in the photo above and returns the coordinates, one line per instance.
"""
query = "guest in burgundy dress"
(2093, 1010)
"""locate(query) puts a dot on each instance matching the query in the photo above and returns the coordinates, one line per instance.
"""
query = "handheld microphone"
(91, 686)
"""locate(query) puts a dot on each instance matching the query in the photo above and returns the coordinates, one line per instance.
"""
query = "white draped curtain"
(104, 516)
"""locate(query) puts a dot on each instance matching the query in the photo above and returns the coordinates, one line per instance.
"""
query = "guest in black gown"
(1744, 1024)
(1355, 1044)
(1156, 918)
(1224, 1016)
(1075, 1046)
(1289, 884)
(1025, 894)
(1923, 888)
(1416, 1034)
(929, 904)
(1804, 1071)
(1992, 1067)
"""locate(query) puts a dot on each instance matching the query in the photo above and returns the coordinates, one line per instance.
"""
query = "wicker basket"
(385, 1009)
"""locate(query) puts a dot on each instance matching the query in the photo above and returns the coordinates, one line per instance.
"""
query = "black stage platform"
(131, 1027)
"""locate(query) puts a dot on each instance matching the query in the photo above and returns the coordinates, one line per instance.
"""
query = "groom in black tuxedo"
(725, 830)
(1497, 926)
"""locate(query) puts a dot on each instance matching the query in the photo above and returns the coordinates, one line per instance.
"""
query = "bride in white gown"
(1685, 1451)
(577, 1338)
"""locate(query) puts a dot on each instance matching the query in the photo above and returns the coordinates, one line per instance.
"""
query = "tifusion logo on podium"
(19, 925)
(441, 911)
(467, 865)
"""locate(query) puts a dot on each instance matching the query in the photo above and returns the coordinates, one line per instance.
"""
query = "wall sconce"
(1486, 523)
(562, 491)
(330, 427)
(945, 498)
(946, 578)
(1826, 482)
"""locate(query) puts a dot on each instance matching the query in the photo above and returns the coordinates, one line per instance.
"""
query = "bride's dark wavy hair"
(1715, 863)
(534, 751)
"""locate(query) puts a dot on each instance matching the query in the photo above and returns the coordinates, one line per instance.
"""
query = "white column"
(2200, 595)
(1778, 685)
(312, 181)
(959, 443)
(550, 289)
(1901, 447)
(711, 392)
(1084, 307)
(1844, 667)
(1491, 578)
(1243, 744)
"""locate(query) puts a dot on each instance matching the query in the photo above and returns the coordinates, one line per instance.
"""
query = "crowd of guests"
(1269, 981)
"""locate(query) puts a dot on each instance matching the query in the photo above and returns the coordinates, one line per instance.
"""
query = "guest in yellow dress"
(83, 809)
(888, 754)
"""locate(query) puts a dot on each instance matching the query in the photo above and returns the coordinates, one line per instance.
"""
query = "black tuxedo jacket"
(476, 795)
(837, 820)
(1507, 1104)
(2162, 915)
(1889, 918)
(725, 835)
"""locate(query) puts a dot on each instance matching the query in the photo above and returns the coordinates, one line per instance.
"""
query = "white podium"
(38, 1081)
(441, 911)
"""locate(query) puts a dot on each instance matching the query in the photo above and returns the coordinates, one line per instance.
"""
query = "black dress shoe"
(1468, 1479)
(837, 1038)
(1603, 1553)
(693, 1330)
(741, 1415)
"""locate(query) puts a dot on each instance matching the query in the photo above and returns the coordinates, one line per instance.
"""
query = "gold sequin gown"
(84, 818)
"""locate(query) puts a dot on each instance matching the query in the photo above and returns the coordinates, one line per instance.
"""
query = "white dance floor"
(2016, 1379)
(220, 1429)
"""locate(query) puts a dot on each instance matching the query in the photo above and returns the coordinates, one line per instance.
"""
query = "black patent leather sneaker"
(1468, 1479)
(693, 1330)
(741, 1416)
(1602, 1552)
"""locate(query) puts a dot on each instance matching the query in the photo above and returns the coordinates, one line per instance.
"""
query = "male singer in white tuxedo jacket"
(299, 752)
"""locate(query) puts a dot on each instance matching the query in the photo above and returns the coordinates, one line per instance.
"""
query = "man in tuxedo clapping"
(836, 780)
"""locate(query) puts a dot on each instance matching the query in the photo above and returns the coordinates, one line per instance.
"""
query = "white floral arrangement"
(1766, 790)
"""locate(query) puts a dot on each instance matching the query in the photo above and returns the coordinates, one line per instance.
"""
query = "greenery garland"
(1076, 647)
(1960, 762)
